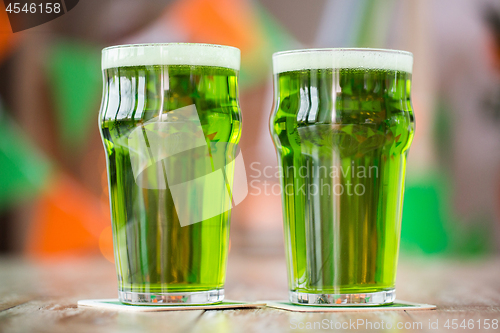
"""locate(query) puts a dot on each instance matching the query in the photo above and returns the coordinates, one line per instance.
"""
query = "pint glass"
(342, 125)
(170, 121)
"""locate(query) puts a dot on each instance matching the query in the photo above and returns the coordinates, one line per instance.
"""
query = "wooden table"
(42, 297)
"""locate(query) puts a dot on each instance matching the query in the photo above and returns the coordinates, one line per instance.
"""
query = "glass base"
(365, 299)
(180, 298)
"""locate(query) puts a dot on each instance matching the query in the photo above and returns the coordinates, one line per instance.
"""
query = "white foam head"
(342, 58)
(171, 54)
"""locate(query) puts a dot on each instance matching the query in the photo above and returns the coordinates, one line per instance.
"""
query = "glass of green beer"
(342, 125)
(170, 121)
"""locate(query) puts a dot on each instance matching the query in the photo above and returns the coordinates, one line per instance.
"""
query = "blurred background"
(53, 185)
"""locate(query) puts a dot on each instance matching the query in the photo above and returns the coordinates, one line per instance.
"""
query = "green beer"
(158, 259)
(342, 125)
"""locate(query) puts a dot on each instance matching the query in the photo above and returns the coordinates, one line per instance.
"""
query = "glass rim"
(191, 54)
(338, 58)
(167, 45)
(342, 49)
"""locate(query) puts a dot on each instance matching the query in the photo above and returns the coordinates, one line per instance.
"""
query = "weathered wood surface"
(41, 297)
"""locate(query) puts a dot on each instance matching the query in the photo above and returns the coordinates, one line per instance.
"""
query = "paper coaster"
(396, 306)
(115, 304)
